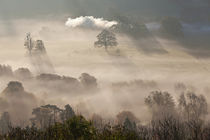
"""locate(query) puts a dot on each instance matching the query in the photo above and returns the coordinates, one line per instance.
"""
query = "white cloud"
(89, 22)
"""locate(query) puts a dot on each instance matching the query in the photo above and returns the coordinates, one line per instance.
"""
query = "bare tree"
(193, 107)
(106, 39)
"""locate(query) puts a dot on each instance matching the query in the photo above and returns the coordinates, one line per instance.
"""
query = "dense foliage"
(186, 121)
(78, 128)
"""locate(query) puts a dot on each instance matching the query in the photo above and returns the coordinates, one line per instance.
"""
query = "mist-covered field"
(139, 66)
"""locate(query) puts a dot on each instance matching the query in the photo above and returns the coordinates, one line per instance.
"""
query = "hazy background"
(72, 52)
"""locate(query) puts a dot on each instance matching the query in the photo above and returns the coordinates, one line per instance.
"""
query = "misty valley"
(105, 70)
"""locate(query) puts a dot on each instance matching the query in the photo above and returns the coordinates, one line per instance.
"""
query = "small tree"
(88, 81)
(106, 39)
(122, 116)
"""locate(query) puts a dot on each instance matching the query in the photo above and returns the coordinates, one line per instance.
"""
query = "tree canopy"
(106, 39)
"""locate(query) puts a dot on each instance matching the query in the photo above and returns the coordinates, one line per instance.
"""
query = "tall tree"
(192, 106)
(106, 39)
(55, 111)
(45, 116)
(67, 113)
(42, 117)
(161, 104)
(5, 123)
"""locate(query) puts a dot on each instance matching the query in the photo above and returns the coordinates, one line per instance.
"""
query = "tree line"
(184, 120)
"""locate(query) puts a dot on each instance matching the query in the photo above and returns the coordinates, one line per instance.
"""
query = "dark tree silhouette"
(42, 117)
(129, 125)
(161, 105)
(48, 115)
(67, 113)
(192, 106)
(5, 123)
(122, 116)
(45, 116)
(88, 81)
(54, 110)
(39, 48)
(106, 39)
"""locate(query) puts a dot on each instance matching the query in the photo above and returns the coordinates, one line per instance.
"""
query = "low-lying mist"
(90, 79)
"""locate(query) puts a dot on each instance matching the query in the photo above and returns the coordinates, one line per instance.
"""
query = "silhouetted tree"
(161, 104)
(122, 116)
(193, 107)
(88, 81)
(130, 27)
(42, 117)
(168, 128)
(54, 110)
(5, 123)
(106, 39)
(39, 47)
(67, 113)
(23, 73)
(129, 125)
